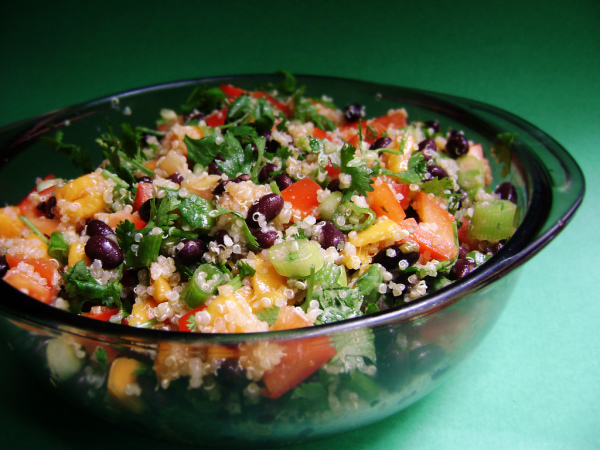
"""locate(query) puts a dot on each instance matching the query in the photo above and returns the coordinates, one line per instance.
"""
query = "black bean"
(334, 185)
(462, 251)
(144, 179)
(457, 144)
(507, 191)
(462, 267)
(176, 178)
(382, 142)
(98, 228)
(3, 265)
(437, 171)
(219, 237)
(265, 172)
(283, 180)
(191, 252)
(145, 210)
(269, 206)
(425, 358)
(104, 249)
(427, 147)
(434, 125)
(354, 112)
(331, 236)
(47, 207)
(391, 262)
(220, 188)
(265, 239)
(212, 169)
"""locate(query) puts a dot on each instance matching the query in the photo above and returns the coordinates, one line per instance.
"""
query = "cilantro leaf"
(81, 287)
(78, 156)
(249, 237)
(502, 151)
(245, 269)
(256, 112)
(268, 315)
(357, 168)
(58, 247)
(307, 112)
(204, 99)
(236, 160)
(437, 186)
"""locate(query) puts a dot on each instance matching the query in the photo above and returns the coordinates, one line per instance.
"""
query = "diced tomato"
(288, 318)
(217, 118)
(303, 196)
(397, 119)
(144, 193)
(231, 91)
(383, 201)
(104, 314)
(430, 212)
(29, 285)
(302, 358)
(403, 189)
(430, 244)
(183, 320)
(320, 134)
(46, 267)
(332, 171)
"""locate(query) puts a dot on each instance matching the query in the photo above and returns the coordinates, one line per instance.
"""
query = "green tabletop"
(534, 383)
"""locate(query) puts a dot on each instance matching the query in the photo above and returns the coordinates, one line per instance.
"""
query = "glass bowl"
(383, 362)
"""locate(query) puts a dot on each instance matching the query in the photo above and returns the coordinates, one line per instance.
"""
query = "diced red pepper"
(183, 320)
(104, 314)
(303, 196)
(383, 201)
(46, 267)
(144, 193)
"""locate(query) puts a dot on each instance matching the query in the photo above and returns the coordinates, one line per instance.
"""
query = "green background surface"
(535, 382)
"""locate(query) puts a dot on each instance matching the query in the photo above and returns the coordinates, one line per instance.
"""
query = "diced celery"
(493, 220)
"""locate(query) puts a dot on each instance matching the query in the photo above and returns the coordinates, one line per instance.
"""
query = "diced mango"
(172, 162)
(161, 288)
(289, 318)
(10, 224)
(231, 313)
(384, 230)
(141, 312)
(84, 197)
(76, 254)
(266, 283)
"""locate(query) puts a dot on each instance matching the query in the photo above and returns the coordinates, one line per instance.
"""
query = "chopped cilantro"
(306, 111)
(78, 156)
(358, 170)
(101, 357)
(81, 287)
(204, 99)
(269, 315)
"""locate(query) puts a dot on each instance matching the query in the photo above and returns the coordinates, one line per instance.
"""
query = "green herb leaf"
(357, 168)
(205, 99)
(81, 287)
(307, 112)
(269, 315)
(58, 247)
(78, 156)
